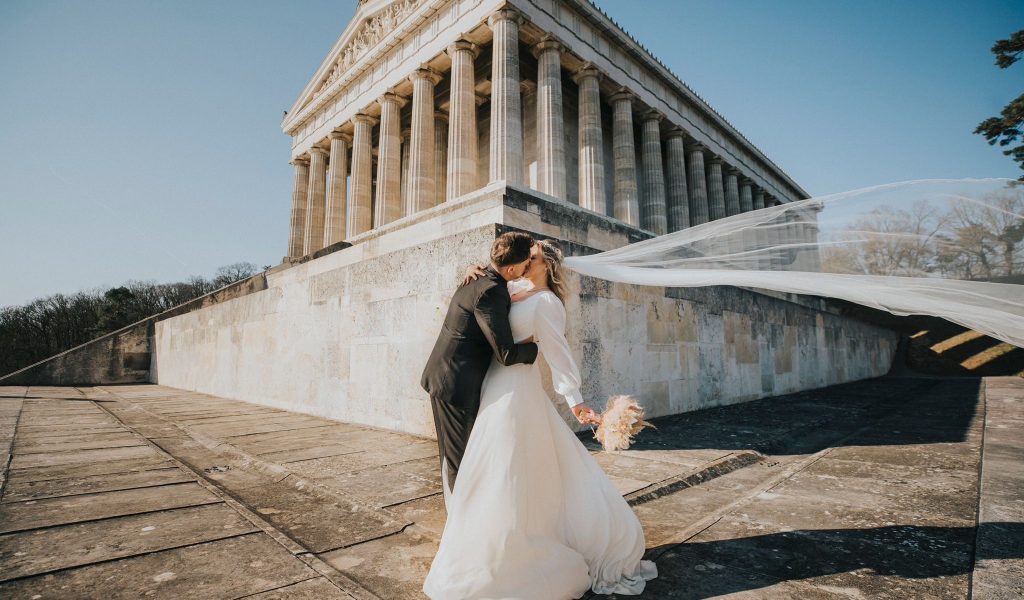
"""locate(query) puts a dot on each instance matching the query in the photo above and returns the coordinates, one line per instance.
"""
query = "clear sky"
(141, 139)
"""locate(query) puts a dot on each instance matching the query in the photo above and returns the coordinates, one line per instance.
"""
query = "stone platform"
(867, 489)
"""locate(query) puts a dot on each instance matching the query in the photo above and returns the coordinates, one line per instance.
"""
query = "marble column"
(653, 212)
(698, 183)
(758, 199)
(746, 195)
(387, 205)
(550, 128)
(591, 142)
(440, 156)
(422, 190)
(300, 188)
(506, 156)
(316, 201)
(732, 191)
(337, 180)
(627, 204)
(360, 211)
(716, 190)
(462, 129)
(678, 209)
(406, 137)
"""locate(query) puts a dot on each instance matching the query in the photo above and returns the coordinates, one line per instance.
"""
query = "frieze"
(373, 31)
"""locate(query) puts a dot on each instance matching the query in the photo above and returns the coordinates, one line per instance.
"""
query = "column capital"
(674, 132)
(622, 94)
(299, 160)
(651, 115)
(339, 135)
(406, 134)
(463, 45)
(587, 70)
(317, 150)
(440, 115)
(392, 97)
(365, 118)
(715, 160)
(695, 146)
(746, 181)
(425, 72)
(731, 170)
(509, 14)
(547, 42)
(527, 87)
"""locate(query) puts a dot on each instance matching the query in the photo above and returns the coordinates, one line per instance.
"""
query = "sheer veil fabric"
(947, 248)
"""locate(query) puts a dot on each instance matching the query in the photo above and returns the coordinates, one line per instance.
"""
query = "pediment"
(373, 21)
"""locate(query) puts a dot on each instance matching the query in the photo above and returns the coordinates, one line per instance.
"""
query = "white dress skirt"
(532, 515)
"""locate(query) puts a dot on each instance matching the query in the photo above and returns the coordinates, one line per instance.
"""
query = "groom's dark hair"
(511, 248)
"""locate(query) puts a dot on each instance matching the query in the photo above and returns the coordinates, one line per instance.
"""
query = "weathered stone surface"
(54, 548)
(319, 588)
(67, 471)
(393, 567)
(52, 488)
(52, 459)
(31, 514)
(317, 521)
(229, 568)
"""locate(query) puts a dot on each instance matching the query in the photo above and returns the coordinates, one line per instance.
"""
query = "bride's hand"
(473, 272)
(585, 414)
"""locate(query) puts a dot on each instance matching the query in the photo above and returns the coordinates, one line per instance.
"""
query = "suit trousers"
(453, 425)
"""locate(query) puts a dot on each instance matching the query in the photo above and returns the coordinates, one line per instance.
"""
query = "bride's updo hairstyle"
(556, 274)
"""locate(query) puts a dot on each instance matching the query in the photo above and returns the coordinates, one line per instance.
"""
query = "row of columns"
(437, 158)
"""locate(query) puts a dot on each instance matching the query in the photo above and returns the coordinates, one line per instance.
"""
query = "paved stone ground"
(870, 489)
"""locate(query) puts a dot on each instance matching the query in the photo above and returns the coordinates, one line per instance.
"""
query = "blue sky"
(141, 139)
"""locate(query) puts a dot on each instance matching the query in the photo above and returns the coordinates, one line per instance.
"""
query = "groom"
(475, 329)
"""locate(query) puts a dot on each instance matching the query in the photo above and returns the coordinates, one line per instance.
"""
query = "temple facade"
(422, 102)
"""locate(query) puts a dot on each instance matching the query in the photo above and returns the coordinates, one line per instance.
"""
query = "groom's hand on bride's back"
(473, 272)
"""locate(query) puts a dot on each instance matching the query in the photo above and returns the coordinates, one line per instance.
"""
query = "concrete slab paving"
(17, 491)
(867, 489)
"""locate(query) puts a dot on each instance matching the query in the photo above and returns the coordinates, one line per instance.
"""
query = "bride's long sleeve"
(549, 323)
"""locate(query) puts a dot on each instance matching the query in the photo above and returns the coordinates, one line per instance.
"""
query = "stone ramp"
(867, 489)
(999, 570)
(90, 509)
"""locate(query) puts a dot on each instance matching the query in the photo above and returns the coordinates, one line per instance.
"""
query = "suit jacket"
(475, 329)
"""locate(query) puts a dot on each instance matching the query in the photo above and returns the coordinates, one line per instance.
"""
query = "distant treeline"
(51, 325)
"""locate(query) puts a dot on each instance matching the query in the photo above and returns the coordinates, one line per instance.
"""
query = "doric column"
(716, 191)
(550, 128)
(506, 109)
(653, 214)
(698, 183)
(316, 201)
(422, 194)
(678, 209)
(591, 142)
(337, 175)
(746, 195)
(462, 132)
(627, 205)
(758, 199)
(406, 137)
(360, 215)
(440, 156)
(300, 187)
(387, 206)
(732, 191)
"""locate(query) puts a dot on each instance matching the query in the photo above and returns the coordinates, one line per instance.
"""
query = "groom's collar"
(494, 273)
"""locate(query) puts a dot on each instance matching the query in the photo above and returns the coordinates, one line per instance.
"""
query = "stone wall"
(346, 335)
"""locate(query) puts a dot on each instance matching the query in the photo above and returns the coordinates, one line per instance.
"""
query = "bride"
(533, 516)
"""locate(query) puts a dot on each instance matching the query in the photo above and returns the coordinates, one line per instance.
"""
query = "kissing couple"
(532, 515)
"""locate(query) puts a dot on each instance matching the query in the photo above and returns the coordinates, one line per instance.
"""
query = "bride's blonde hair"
(556, 274)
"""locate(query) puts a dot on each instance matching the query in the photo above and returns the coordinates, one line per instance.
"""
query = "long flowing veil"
(947, 248)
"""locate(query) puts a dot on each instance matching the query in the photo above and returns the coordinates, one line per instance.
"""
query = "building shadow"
(705, 569)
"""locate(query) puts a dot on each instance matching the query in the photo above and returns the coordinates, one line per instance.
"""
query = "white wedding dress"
(532, 515)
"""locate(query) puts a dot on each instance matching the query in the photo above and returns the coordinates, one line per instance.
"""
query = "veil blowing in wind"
(947, 248)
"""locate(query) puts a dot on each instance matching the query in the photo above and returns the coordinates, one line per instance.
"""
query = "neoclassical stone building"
(435, 125)
(421, 102)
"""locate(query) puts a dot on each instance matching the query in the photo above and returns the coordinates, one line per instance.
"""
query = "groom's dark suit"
(475, 329)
